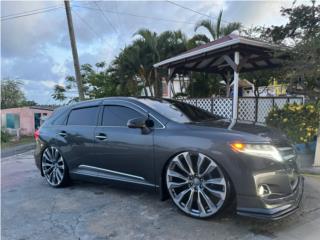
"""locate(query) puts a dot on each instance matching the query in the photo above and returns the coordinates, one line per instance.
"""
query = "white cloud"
(48, 83)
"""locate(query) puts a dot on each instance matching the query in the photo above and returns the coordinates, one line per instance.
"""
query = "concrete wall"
(26, 118)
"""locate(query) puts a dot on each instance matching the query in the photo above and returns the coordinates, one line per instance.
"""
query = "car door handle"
(62, 133)
(102, 137)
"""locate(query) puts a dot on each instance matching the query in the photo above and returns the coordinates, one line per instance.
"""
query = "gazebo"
(224, 56)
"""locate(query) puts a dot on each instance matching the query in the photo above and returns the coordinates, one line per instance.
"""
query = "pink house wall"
(26, 118)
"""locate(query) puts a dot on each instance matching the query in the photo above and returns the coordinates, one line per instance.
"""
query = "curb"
(17, 149)
(311, 171)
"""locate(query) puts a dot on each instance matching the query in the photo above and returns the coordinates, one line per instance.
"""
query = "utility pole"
(74, 50)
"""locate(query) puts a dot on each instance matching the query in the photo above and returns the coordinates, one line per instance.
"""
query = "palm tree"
(165, 45)
(151, 41)
(216, 30)
(171, 43)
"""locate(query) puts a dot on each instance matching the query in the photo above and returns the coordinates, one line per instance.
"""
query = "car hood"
(268, 133)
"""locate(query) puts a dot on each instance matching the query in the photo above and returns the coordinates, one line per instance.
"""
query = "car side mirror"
(137, 123)
(144, 123)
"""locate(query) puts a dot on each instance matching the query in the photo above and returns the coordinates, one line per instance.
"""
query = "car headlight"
(259, 150)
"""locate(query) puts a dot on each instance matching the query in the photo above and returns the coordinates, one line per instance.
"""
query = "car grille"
(287, 153)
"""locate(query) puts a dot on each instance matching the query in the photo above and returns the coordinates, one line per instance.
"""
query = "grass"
(13, 143)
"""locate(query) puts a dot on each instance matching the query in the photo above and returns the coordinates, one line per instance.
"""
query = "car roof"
(93, 101)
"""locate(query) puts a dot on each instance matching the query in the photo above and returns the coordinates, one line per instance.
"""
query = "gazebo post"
(170, 83)
(235, 87)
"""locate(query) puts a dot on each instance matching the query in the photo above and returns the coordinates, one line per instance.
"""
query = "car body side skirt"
(107, 174)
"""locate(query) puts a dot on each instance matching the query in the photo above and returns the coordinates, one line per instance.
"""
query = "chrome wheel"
(196, 184)
(53, 166)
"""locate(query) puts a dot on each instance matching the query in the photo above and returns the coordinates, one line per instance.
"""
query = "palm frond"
(208, 25)
(231, 27)
(218, 25)
(197, 40)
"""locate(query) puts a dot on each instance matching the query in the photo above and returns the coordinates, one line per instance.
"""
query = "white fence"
(249, 108)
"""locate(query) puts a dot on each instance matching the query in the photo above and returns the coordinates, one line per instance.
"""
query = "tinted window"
(157, 124)
(118, 115)
(60, 120)
(179, 111)
(83, 116)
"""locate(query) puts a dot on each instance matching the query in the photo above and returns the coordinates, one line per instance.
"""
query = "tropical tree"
(59, 93)
(97, 82)
(303, 23)
(302, 31)
(151, 41)
(215, 29)
(12, 95)
(159, 47)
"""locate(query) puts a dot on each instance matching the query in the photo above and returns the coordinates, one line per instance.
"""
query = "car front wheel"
(196, 184)
(53, 167)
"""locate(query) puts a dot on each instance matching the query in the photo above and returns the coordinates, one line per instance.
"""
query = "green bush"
(299, 122)
(5, 137)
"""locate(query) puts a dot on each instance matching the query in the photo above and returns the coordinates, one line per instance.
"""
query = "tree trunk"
(145, 90)
(180, 84)
(149, 84)
(157, 85)
(172, 88)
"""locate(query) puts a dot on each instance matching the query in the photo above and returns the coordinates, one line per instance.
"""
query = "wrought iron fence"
(249, 108)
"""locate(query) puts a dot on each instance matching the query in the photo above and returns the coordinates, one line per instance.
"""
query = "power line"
(89, 26)
(86, 23)
(138, 16)
(29, 13)
(34, 10)
(200, 13)
(106, 18)
(190, 9)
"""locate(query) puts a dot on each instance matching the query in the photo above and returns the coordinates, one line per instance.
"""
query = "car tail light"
(36, 134)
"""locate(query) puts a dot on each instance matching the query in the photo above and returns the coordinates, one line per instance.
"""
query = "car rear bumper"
(276, 208)
(37, 154)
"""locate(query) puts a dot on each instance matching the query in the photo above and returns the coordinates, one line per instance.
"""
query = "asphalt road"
(33, 210)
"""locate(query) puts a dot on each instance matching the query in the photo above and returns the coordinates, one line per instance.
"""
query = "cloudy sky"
(36, 50)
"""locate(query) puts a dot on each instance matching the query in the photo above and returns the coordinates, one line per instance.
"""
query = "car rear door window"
(118, 115)
(83, 116)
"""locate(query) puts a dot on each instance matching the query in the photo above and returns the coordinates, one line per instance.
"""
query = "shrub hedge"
(299, 122)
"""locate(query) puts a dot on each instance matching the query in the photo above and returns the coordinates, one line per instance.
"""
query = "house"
(274, 89)
(176, 86)
(24, 119)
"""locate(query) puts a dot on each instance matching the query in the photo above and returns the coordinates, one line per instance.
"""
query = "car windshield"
(179, 111)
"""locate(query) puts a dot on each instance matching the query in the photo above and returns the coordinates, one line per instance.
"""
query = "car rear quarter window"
(60, 119)
(118, 115)
(83, 116)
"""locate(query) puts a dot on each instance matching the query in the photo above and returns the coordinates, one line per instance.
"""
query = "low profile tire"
(197, 185)
(54, 167)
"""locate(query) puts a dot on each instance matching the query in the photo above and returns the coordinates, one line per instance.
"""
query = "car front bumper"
(273, 209)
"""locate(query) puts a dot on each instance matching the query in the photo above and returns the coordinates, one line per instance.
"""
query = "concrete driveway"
(33, 210)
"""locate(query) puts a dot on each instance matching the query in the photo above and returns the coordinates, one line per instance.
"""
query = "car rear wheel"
(196, 184)
(53, 167)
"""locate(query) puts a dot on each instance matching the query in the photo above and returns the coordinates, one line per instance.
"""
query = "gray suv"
(200, 160)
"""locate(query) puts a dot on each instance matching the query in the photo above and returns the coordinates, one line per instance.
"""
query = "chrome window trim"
(163, 126)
